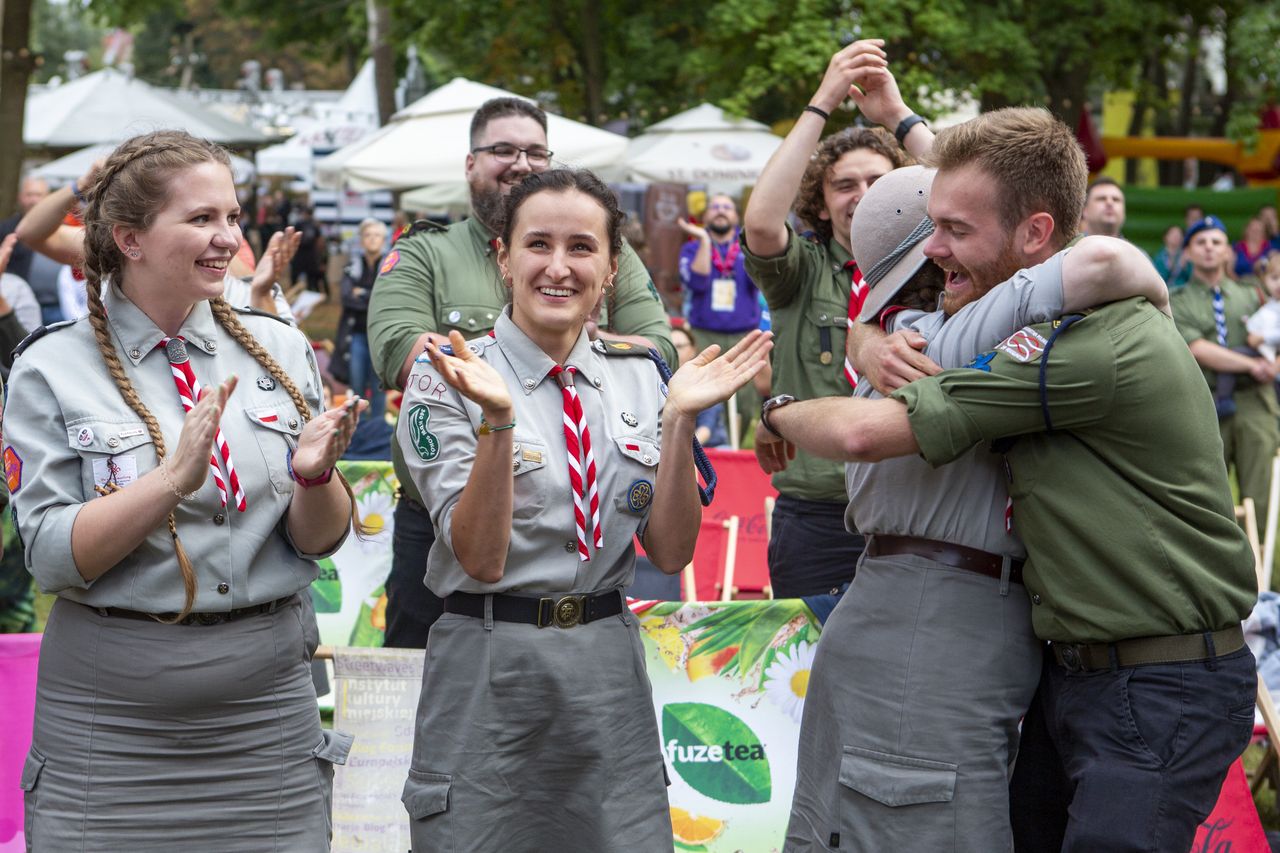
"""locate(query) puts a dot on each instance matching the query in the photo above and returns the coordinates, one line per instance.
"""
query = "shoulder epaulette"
(619, 348)
(40, 333)
(245, 309)
(425, 226)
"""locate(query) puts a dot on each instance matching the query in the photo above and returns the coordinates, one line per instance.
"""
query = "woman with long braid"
(178, 524)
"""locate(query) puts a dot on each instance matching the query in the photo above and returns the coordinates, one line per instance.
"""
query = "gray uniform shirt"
(67, 429)
(962, 503)
(622, 398)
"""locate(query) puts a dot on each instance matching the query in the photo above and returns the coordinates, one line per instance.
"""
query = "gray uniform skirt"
(535, 739)
(172, 737)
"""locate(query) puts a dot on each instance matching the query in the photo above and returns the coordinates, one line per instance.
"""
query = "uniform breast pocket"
(830, 323)
(277, 431)
(470, 319)
(640, 473)
(528, 463)
(111, 453)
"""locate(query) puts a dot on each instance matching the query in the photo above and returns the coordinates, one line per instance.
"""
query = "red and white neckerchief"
(857, 295)
(189, 392)
(577, 440)
(725, 263)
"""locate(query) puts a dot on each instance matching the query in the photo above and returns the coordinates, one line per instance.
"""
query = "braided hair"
(130, 189)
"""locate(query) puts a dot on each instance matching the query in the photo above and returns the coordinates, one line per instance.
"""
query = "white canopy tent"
(426, 143)
(108, 106)
(703, 145)
(349, 119)
(66, 169)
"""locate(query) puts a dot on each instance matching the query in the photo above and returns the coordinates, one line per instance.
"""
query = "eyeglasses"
(505, 152)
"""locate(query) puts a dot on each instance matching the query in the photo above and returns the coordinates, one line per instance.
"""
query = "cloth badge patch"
(121, 470)
(389, 263)
(982, 362)
(639, 495)
(1024, 345)
(12, 470)
(427, 445)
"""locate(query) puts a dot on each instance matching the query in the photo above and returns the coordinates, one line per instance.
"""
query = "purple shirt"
(719, 308)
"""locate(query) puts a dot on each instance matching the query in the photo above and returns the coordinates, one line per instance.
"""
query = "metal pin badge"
(267, 383)
(630, 419)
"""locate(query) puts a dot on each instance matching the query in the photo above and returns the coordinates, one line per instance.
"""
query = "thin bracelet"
(75, 191)
(818, 111)
(303, 481)
(485, 428)
(173, 487)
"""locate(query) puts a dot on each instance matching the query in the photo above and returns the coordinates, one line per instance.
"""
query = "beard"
(490, 207)
(720, 229)
(983, 277)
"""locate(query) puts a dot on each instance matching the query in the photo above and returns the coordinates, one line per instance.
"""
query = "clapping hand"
(857, 62)
(706, 380)
(695, 231)
(189, 464)
(326, 437)
(473, 378)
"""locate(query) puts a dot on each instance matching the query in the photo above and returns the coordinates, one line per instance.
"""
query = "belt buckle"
(1069, 656)
(569, 611)
(209, 618)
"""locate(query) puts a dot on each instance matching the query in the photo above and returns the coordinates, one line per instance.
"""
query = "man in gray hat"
(917, 700)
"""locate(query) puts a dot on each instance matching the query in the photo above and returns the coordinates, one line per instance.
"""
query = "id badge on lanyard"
(724, 293)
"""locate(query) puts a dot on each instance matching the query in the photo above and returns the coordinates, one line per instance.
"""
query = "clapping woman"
(542, 455)
(174, 488)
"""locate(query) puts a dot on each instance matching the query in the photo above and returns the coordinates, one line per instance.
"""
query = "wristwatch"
(769, 405)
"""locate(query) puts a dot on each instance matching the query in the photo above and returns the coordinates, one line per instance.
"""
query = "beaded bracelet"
(173, 487)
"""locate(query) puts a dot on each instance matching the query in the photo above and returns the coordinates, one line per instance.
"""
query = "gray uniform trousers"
(911, 722)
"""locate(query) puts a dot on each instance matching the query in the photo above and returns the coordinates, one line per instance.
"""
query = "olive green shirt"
(807, 288)
(1125, 509)
(1193, 312)
(447, 278)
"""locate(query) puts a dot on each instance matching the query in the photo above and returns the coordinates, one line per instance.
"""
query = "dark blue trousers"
(411, 608)
(1129, 759)
(810, 552)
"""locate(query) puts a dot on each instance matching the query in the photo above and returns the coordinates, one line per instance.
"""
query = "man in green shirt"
(1137, 572)
(1210, 313)
(808, 282)
(438, 279)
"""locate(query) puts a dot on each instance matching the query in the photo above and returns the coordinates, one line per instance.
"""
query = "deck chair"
(717, 547)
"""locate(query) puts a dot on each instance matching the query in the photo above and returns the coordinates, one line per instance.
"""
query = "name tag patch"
(1024, 345)
(119, 470)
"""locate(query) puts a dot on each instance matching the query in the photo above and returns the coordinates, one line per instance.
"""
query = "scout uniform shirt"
(807, 288)
(67, 429)
(1193, 312)
(447, 278)
(966, 502)
(1129, 536)
(622, 398)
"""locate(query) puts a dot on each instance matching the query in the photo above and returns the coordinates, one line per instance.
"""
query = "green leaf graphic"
(737, 779)
(326, 589)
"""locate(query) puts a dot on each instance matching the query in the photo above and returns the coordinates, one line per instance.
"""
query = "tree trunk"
(384, 59)
(1141, 106)
(16, 65)
(591, 54)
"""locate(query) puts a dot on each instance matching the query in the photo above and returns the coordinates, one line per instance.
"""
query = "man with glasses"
(724, 303)
(437, 279)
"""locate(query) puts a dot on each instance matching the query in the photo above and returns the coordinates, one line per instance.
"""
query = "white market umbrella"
(108, 106)
(454, 197)
(703, 145)
(285, 159)
(427, 142)
(66, 169)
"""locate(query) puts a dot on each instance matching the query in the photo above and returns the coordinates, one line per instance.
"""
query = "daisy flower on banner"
(376, 508)
(787, 678)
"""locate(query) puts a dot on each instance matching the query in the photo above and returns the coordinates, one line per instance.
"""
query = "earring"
(135, 254)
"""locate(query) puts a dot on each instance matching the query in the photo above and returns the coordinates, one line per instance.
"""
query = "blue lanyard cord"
(700, 460)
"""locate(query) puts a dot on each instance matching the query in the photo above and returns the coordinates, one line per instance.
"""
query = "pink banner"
(19, 660)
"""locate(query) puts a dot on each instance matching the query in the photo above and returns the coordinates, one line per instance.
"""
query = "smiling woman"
(196, 647)
(552, 743)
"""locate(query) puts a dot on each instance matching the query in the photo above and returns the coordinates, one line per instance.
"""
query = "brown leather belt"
(955, 556)
(1176, 648)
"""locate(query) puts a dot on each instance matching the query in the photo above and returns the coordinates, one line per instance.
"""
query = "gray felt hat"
(889, 229)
